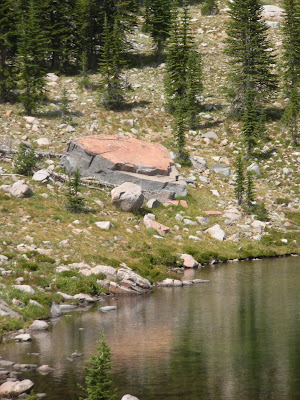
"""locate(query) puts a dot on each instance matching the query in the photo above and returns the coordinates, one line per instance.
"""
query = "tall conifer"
(158, 21)
(7, 50)
(249, 50)
(32, 48)
(291, 56)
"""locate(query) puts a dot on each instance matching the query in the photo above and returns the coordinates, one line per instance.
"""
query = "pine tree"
(209, 7)
(291, 34)
(158, 21)
(253, 121)
(112, 62)
(180, 128)
(59, 25)
(291, 116)
(251, 58)
(183, 79)
(8, 36)
(75, 202)
(194, 87)
(249, 192)
(98, 382)
(32, 49)
(24, 160)
(240, 180)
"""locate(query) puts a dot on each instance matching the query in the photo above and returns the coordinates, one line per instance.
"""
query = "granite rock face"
(116, 160)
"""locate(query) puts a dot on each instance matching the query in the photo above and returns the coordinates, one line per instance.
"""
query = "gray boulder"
(129, 397)
(55, 310)
(199, 163)
(18, 189)
(216, 232)
(38, 325)
(128, 196)
(41, 176)
(221, 169)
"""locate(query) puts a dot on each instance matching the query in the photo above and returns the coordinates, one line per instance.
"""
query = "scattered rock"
(199, 163)
(232, 214)
(107, 308)
(45, 369)
(129, 397)
(153, 203)
(271, 11)
(203, 220)
(128, 196)
(254, 167)
(170, 283)
(55, 310)
(41, 176)
(18, 189)
(43, 142)
(38, 325)
(211, 135)
(220, 169)
(25, 288)
(105, 225)
(216, 232)
(189, 261)
(150, 223)
(23, 337)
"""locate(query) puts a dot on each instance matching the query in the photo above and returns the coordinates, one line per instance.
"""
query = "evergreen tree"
(291, 43)
(249, 192)
(194, 87)
(91, 17)
(240, 180)
(24, 160)
(59, 25)
(183, 79)
(180, 128)
(209, 7)
(32, 49)
(98, 382)
(291, 34)
(249, 50)
(291, 116)
(158, 21)
(112, 62)
(75, 202)
(253, 121)
(7, 50)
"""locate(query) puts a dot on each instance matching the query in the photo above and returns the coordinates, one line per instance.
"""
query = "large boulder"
(116, 159)
(128, 196)
(18, 189)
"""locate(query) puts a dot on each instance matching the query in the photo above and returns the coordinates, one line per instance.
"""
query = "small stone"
(216, 232)
(23, 337)
(153, 203)
(38, 325)
(107, 308)
(189, 261)
(25, 288)
(104, 225)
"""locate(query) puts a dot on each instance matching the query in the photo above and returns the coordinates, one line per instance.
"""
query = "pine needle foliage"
(98, 384)
(250, 193)
(112, 62)
(253, 121)
(249, 50)
(32, 49)
(291, 58)
(24, 160)
(8, 36)
(180, 128)
(240, 180)
(75, 202)
(183, 78)
(158, 21)
(209, 7)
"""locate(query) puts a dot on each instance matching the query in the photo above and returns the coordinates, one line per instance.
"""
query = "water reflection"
(237, 338)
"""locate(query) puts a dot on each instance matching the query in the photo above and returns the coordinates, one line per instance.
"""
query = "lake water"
(235, 338)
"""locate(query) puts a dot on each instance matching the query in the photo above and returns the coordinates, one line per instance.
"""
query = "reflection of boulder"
(116, 160)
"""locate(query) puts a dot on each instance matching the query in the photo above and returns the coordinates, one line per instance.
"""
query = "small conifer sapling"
(75, 201)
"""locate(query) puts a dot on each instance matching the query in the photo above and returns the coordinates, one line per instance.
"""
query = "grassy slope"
(39, 219)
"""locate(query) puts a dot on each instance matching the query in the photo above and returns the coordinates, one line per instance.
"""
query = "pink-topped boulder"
(117, 159)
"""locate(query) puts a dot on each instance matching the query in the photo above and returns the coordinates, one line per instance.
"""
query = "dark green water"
(236, 338)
